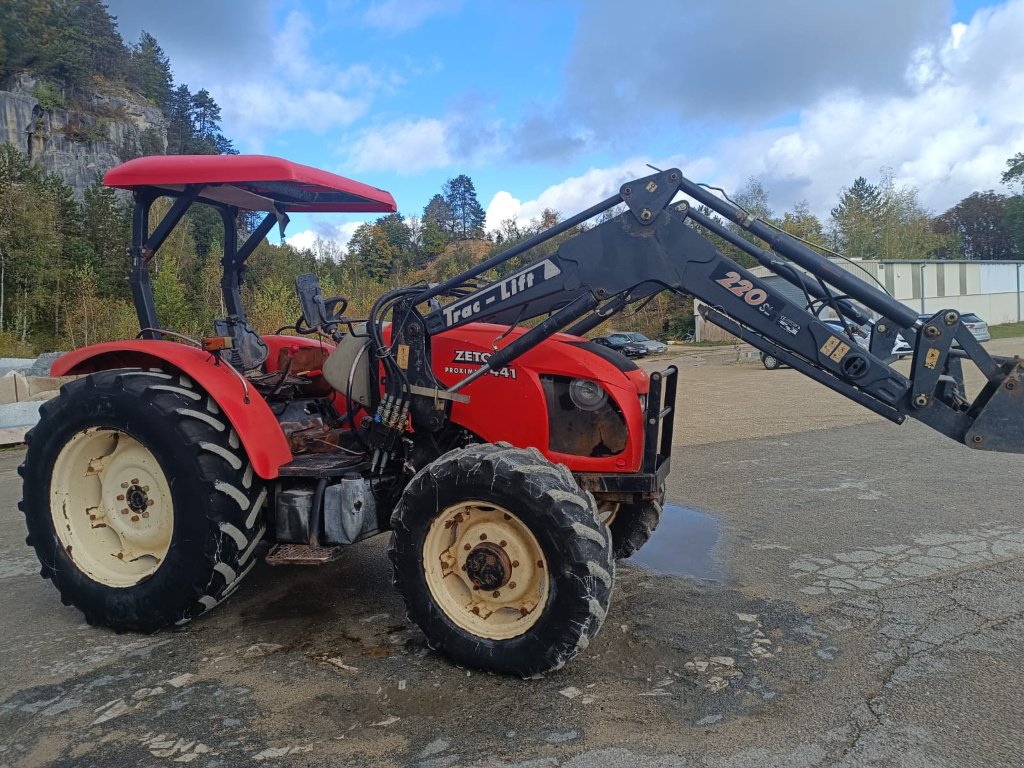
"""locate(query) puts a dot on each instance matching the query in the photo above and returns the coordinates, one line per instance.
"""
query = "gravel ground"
(860, 606)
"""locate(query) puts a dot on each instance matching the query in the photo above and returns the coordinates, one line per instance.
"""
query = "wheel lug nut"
(135, 518)
(483, 536)
(121, 497)
(145, 514)
(124, 485)
(135, 481)
(463, 566)
(515, 563)
(150, 503)
(540, 563)
(507, 516)
(467, 547)
(511, 585)
(496, 593)
(145, 489)
(502, 543)
(125, 511)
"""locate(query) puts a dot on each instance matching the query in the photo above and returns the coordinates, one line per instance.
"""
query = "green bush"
(49, 96)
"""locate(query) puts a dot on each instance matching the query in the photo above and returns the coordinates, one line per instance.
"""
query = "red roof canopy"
(252, 182)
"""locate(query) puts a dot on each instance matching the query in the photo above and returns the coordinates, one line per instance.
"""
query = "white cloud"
(578, 193)
(331, 233)
(302, 240)
(406, 146)
(396, 16)
(948, 136)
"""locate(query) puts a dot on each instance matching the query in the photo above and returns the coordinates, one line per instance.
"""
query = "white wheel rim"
(510, 593)
(111, 506)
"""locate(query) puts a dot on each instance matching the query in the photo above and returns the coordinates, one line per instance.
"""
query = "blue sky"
(554, 104)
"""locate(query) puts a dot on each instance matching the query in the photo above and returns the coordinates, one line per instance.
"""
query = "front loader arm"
(655, 245)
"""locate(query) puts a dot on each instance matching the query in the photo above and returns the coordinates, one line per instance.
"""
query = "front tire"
(140, 503)
(771, 362)
(632, 525)
(501, 559)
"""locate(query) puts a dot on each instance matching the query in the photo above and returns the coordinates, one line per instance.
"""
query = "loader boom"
(656, 245)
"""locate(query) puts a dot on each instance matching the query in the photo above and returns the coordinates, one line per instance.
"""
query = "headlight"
(587, 395)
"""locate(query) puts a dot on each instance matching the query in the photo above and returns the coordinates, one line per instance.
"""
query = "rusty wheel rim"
(486, 570)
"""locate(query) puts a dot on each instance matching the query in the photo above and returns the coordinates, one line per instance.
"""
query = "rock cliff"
(80, 135)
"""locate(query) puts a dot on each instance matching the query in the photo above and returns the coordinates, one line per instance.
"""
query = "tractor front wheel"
(501, 559)
(140, 503)
(632, 525)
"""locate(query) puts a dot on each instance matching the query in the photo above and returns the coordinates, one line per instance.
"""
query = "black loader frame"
(657, 245)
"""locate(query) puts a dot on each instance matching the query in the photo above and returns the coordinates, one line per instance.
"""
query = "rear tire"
(154, 442)
(501, 559)
(771, 362)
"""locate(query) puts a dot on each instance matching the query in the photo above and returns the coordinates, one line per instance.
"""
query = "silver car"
(652, 346)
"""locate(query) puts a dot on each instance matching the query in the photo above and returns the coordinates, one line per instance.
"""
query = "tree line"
(63, 261)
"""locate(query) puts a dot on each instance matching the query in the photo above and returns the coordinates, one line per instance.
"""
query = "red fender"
(255, 423)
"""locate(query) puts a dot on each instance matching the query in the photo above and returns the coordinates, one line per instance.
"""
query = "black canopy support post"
(522, 247)
(254, 239)
(142, 289)
(231, 277)
(171, 218)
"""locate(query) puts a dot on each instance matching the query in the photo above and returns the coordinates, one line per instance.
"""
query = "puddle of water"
(685, 544)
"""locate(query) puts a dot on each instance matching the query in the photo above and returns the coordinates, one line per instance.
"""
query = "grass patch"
(1006, 330)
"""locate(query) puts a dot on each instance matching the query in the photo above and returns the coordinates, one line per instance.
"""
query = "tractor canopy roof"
(250, 182)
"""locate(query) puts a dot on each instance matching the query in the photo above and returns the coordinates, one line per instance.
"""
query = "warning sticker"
(840, 352)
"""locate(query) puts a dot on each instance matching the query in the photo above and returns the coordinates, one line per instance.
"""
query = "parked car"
(974, 324)
(652, 346)
(621, 343)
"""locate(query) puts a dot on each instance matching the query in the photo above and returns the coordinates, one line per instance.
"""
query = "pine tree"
(437, 226)
(467, 213)
(150, 72)
(856, 220)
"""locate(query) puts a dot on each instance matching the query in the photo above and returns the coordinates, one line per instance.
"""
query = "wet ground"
(838, 595)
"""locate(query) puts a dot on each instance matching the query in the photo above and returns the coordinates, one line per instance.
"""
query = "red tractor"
(512, 465)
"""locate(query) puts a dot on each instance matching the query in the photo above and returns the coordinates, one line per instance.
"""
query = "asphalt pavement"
(859, 604)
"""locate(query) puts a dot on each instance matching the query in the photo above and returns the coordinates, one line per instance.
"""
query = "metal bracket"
(934, 340)
(438, 394)
(647, 197)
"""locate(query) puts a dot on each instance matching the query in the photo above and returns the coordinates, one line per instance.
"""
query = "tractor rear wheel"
(140, 503)
(501, 559)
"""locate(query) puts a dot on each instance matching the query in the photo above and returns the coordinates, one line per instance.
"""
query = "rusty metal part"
(301, 554)
(488, 566)
(311, 436)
